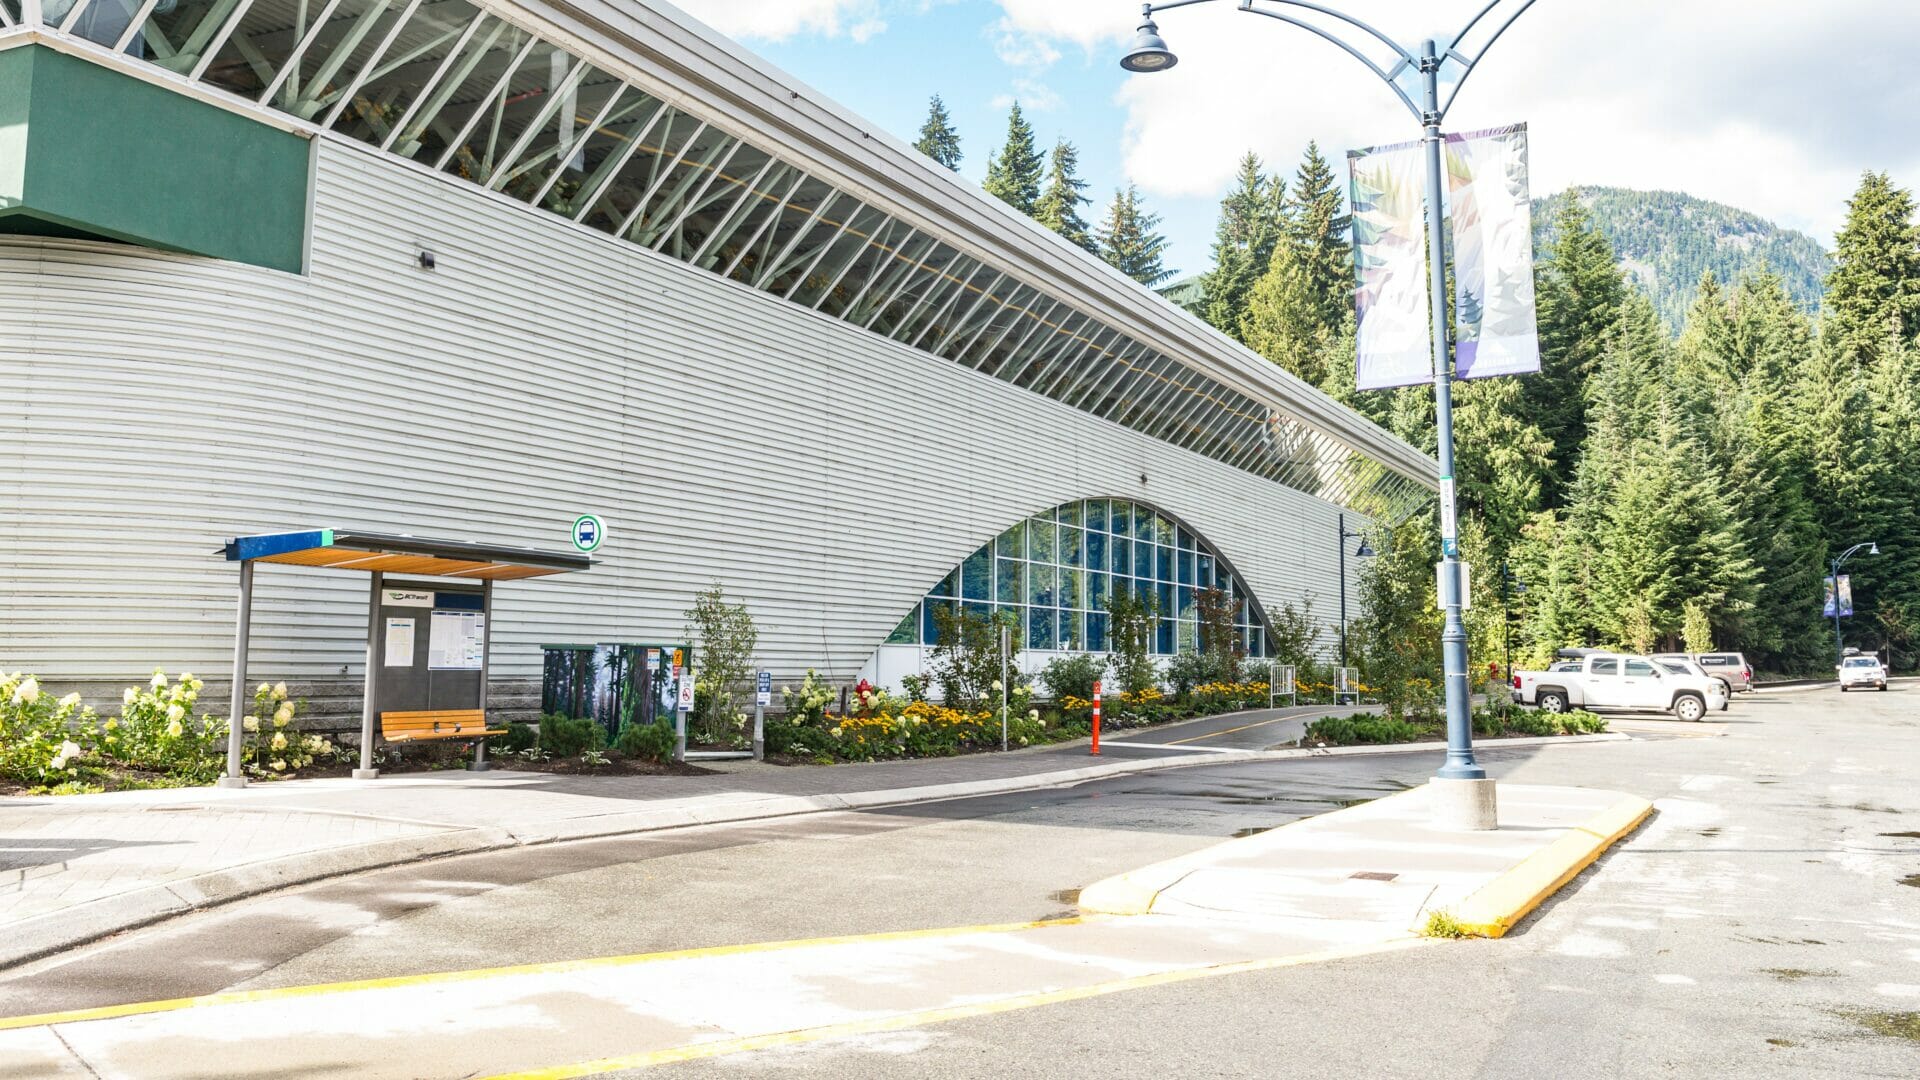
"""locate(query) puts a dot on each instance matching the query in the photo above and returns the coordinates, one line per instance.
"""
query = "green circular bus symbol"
(588, 531)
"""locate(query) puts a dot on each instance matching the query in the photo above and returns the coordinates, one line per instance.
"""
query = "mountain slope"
(1665, 240)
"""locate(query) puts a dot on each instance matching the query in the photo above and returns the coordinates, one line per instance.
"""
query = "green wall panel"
(87, 151)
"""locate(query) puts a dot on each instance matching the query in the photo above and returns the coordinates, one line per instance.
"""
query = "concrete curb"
(44, 935)
(1500, 904)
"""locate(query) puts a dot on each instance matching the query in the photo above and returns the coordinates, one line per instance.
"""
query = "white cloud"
(778, 20)
(1774, 106)
(1033, 96)
(1021, 47)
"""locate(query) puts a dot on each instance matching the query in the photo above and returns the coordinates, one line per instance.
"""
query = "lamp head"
(1873, 549)
(1149, 52)
(1365, 550)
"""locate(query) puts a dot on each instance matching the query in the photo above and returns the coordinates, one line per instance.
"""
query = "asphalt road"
(1757, 926)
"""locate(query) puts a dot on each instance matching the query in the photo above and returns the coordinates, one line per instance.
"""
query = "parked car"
(1730, 668)
(1614, 682)
(1864, 670)
(1680, 665)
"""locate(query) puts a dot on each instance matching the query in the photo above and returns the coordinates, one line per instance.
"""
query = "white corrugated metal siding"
(153, 405)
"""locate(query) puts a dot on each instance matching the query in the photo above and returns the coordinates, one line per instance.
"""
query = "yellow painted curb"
(1500, 904)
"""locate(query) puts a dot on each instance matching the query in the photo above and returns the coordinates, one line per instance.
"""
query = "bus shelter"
(463, 573)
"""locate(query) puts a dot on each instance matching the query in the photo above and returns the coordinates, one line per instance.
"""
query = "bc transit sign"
(588, 531)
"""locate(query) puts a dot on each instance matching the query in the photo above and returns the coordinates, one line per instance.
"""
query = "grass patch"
(1796, 974)
(1894, 1025)
(1442, 924)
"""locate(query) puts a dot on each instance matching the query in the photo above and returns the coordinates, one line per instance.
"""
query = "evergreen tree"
(1013, 175)
(1251, 218)
(938, 139)
(1579, 292)
(1873, 294)
(1319, 232)
(1059, 205)
(1128, 240)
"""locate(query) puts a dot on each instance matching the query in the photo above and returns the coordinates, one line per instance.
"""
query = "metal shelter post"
(242, 630)
(480, 762)
(366, 771)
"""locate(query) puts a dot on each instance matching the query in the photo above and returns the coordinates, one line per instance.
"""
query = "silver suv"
(1731, 668)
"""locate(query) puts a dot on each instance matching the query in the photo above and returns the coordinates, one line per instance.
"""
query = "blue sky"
(1772, 106)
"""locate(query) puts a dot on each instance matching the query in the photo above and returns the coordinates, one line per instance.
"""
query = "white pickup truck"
(1613, 682)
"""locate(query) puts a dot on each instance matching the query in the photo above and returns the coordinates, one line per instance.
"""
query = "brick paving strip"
(80, 867)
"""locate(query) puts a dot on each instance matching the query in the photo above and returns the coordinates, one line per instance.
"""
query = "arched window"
(1056, 570)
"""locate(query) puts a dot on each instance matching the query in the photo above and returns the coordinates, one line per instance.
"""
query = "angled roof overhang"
(339, 549)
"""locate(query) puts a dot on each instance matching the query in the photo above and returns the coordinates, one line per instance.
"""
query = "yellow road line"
(722, 1047)
(235, 997)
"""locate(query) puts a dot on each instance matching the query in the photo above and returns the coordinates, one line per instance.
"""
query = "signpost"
(683, 707)
(762, 697)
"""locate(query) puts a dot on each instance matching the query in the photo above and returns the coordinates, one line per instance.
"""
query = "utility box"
(615, 684)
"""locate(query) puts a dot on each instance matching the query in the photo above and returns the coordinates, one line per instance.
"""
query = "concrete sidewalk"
(79, 867)
(1343, 884)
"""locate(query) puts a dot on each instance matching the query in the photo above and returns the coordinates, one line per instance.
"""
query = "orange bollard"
(1096, 718)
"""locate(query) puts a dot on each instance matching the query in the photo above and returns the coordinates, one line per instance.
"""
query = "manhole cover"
(1374, 875)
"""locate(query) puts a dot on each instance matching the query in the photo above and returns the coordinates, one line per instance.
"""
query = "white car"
(1862, 671)
(1603, 681)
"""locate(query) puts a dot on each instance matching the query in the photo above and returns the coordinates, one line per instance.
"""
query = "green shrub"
(646, 742)
(1187, 670)
(1073, 676)
(566, 736)
(1582, 722)
(1357, 730)
(519, 736)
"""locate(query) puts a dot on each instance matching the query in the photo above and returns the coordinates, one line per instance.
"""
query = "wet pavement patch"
(1065, 896)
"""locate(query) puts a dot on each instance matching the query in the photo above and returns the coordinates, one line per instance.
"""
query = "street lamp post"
(1510, 584)
(1149, 53)
(1839, 643)
(1362, 552)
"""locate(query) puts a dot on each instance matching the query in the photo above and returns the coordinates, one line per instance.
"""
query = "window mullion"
(693, 202)
(126, 36)
(952, 301)
(901, 277)
(560, 166)
(431, 90)
(292, 61)
(610, 168)
(497, 91)
(777, 264)
(853, 260)
(219, 39)
(1037, 323)
(960, 319)
(659, 178)
(799, 177)
(820, 256)
(744, 205)
(367, 70)
(363, 25)
(895, 255)
(503, 171)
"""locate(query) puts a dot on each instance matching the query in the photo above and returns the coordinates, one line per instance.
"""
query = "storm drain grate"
(1373, 875)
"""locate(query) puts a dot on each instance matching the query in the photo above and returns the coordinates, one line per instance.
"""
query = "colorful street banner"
(1394, 346)
(1839, 601)
(1495, 329)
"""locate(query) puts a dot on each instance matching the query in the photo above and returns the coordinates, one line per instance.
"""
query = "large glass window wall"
(1054, 572)
(463, 90)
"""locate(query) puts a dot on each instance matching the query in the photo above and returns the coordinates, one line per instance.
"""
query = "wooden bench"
(436, 724)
